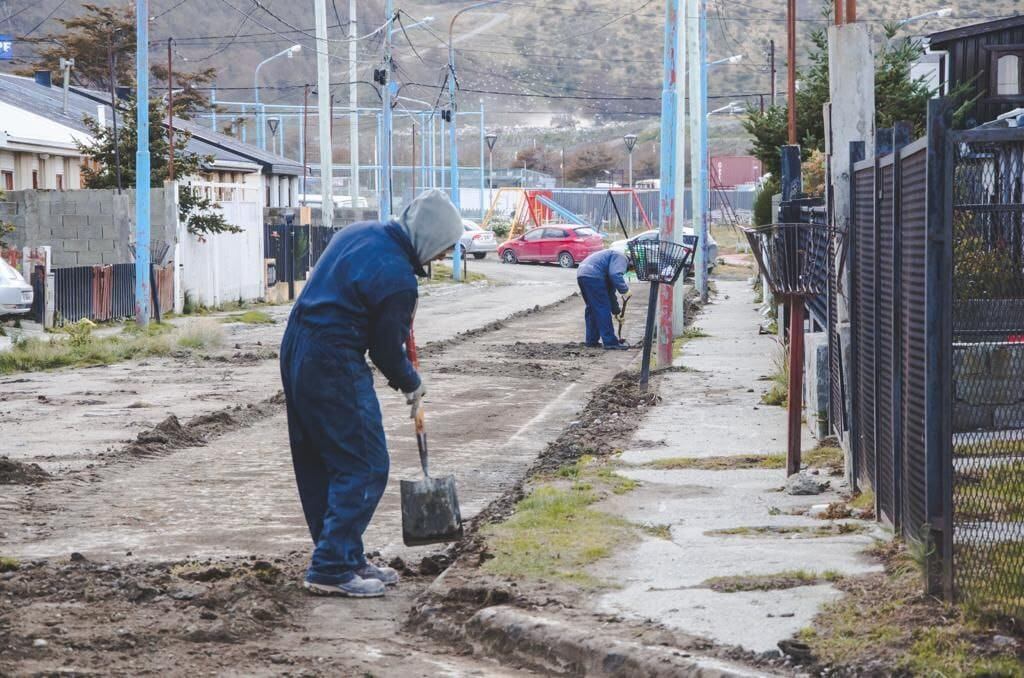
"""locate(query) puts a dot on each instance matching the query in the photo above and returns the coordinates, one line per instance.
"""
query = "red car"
(566, 244)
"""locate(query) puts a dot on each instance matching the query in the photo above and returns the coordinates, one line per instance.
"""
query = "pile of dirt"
(171, 434)
(19, 473)
(154, 614)
(546, 350)
(435, 348)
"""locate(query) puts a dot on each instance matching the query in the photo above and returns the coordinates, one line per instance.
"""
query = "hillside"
(581, 62)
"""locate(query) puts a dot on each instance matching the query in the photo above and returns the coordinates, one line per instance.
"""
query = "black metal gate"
(988, 370)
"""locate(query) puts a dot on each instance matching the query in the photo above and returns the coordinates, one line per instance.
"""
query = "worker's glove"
(414, 399)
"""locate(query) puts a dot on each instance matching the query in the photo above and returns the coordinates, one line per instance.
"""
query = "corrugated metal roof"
(26, 94)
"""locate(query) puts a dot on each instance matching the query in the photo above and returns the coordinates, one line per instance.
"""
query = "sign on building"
(6, 47)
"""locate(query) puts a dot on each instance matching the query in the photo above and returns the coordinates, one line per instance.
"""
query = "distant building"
(37, 148)
(988, 55)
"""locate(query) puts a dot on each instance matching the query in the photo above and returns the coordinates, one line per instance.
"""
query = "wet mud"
(18, 473)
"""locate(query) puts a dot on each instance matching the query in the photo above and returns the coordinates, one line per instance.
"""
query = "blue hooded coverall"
(361, 297)
(599, 276)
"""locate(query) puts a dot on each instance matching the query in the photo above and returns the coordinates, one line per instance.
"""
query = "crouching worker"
(360, 298)
(599, 277)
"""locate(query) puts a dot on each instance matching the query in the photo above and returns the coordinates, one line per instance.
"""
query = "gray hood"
(432, 223)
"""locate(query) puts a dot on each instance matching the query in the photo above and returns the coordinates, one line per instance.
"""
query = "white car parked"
(15, 293)
(688, 238)
(477, 241)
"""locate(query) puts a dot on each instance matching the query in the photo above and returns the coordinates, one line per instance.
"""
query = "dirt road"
(190, 557)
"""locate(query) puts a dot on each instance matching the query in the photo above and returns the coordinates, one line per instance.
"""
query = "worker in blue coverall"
(360, 298)
(600, 276)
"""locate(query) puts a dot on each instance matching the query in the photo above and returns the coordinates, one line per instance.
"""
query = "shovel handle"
(421, 431)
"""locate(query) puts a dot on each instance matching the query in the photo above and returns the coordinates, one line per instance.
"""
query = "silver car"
(477, 241)
(15, 293)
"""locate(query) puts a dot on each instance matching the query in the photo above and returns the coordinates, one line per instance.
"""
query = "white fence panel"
(226, 267)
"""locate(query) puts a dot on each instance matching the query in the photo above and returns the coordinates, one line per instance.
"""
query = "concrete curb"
(550, 645)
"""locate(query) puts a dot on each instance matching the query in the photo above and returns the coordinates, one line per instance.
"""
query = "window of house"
(8, 180)
(1008, 74)
(35, 179)
(60, 182)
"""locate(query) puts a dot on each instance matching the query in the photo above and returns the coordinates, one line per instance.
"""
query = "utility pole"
(170, 112)
(483, 141)
(302, 145)
(771, 66)
(323, 93)
(113, 108)
(696, 32)
(142, 166)
(65, 66)
(385, 141)
(791, 68)
(353, 102)
(679, 175)
(669, 139)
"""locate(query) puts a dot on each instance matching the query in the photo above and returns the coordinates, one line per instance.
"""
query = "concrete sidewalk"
(736, 522)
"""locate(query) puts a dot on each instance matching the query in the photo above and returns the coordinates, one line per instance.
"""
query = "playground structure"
(532, 207)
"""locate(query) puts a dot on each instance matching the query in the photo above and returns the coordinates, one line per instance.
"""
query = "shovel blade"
(430, 511)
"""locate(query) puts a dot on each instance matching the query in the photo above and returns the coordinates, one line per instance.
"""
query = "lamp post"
(289, 52)
(630, 140)
(938, 13)
(453, 155)
(491, 139)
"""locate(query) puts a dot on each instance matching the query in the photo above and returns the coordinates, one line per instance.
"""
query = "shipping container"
(730, 171)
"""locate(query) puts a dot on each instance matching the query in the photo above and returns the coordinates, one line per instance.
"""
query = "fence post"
(901, 137)
(883, 146)
(857, 154)
(939, 349)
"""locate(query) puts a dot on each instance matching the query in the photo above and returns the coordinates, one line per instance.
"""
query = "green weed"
(250, 318)
(787, 579)
(724, 463)
(8, 564)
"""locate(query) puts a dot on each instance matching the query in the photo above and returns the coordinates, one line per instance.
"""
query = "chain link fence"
(988, 371)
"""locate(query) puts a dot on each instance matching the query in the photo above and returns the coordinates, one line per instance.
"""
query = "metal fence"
(988, 370)
(103, 293)
(936, 416)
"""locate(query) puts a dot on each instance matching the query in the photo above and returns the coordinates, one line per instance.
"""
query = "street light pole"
(387, 93)
(261, 137)
(323, 94)
(170, 112)
(491, 139)
(696, 29)
(791, 69)
(142, 163)
(353, 103)
(630, 140)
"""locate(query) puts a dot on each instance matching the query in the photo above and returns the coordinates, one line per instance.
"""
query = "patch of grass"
(199, 334)
(816, 531)
(725, 463)
(995, 589)
(690, 333)
(554, 534)
(250, 318)
(885, 622)
(35, 355)
(865, 501)
(588, 471)
(995, 447)
(991, 492)
(787, 579)
(442, 273)
(658, 531)
(8, 564)
(826, 456)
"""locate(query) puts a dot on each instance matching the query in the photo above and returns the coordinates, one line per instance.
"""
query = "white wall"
(227, 267)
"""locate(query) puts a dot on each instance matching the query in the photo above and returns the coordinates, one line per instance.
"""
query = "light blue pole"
(213, 108)
(142, 167)
(241, 117)
(700, 219)
(385, 140)
(483, 152)
(453, 141)
(669, 139)
(441, 145)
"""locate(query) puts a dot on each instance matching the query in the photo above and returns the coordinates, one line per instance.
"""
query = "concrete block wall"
(988, 385)
(85, 227)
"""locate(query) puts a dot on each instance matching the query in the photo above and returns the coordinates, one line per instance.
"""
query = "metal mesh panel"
(72, 289)
(885, 327)
(835, 365)
(988, 373)
(863, 235)
(123, 292)
(913, 208)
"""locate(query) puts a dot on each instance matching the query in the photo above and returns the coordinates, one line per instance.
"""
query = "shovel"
(430, 507)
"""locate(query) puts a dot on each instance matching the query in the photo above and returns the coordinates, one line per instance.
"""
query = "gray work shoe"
(356, 587)
(385, 575)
